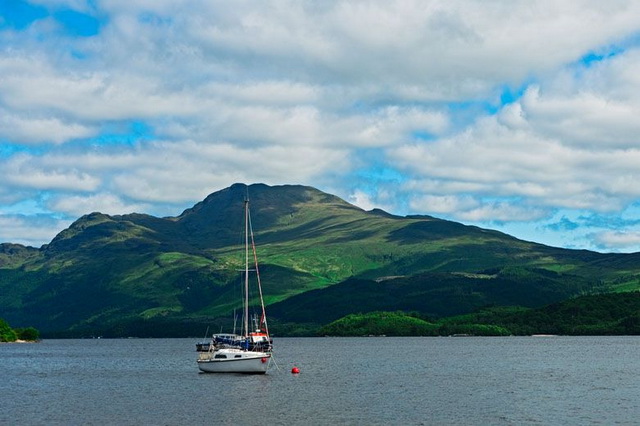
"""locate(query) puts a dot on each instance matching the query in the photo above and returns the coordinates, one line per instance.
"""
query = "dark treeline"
(608, 314)
(605, 314)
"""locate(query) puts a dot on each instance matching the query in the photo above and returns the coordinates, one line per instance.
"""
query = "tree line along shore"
(8, 334)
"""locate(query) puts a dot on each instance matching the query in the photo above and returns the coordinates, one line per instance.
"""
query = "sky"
(522, 117)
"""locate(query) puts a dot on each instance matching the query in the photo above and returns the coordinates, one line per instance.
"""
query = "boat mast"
(263, 319)
(246, 267)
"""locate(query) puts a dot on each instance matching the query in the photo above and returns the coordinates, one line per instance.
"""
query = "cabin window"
(220, 356)
(238, 356)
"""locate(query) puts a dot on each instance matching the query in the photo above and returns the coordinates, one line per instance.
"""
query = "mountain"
(321, 258)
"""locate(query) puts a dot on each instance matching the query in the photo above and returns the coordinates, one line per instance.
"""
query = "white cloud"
(298, 54)
(585, 119)
(164, 172)
(471, 209)
(24, 129)
(502, 212)
(443, 204)
(560, 146)
(270, 92)
(362, 200)
(188, 171)
(30, 230)
(381, 198)
(443, 187)
(310, 126)
(90, 96)
(617, 239)
(308, 92)
(75, 205)
(23, 171)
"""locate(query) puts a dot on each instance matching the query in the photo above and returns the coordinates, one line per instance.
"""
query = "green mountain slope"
(435, 294)
(321, 258)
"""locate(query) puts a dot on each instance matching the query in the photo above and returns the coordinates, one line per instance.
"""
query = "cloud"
(475, 209)
(362, 200)
(617, 239)
(27, 130)
(22, 171)
(86, 97)
(591, 119)
(307, 125)
(447, 204)
(75, 206)
(404, 96)
(556, 147)
(154, 61)
(30, 230)
(187, 171)
(449, 50)
(502, 212)
(164, 172)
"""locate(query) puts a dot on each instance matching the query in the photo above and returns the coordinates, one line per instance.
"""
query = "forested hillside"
(321, 259)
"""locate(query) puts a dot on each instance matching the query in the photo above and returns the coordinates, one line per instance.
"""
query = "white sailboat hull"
(234, 361)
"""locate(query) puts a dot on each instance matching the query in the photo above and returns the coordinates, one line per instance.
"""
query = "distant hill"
(321, 258)
(602, 314)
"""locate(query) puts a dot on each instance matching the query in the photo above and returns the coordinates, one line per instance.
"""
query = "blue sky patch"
(564, 224)
(18, 14)
(592, 57)
(8, 149)
(125, 134)
(509, 94)
(77, 24)
(423, 136)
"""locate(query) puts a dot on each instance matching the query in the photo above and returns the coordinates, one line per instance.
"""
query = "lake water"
(343, 381)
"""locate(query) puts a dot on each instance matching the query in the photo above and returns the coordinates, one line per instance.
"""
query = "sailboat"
(251, 350)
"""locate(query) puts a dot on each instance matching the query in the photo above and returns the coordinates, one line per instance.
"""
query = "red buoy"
(295, 370)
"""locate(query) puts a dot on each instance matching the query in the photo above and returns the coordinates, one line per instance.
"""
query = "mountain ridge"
(112, 272)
